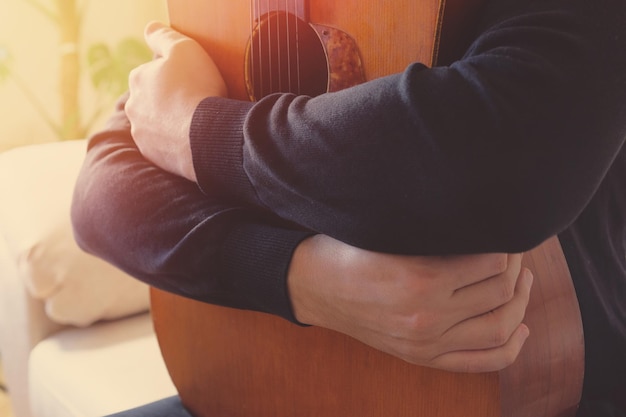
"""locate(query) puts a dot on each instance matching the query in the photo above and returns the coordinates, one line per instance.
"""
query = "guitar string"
(274, 50)
(260, 52)
(287, 26)
(279, 52)
(297, 45)
(270, 51)
(252, 51)
(254, 11)
(299, 79)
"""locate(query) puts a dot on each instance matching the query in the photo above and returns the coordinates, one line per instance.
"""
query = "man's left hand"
(164, 94)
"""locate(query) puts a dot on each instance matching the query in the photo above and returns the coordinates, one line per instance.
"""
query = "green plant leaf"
(132, 52)
(109, 69)
(101, 66)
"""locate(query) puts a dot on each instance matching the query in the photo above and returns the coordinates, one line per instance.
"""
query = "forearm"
(430, 311)
(429, 160)
(161, 229)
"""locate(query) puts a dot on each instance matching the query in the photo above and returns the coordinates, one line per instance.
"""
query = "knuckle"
(500, 336)
(501, 263)
(423, 325)
(498, 263)
(130, 103)
(506, 290)
(133, 77)
(134, 134)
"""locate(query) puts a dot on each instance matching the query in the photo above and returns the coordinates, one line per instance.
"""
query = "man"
(519, 140)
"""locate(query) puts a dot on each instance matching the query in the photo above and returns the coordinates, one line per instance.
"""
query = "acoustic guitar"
(232, 363)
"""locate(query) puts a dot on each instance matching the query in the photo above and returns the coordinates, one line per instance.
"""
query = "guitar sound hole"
(285, 55)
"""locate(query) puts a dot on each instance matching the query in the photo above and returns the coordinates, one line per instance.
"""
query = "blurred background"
(64, 62)
(5, 405)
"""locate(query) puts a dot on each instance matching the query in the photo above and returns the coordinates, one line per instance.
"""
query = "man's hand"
(164, 94)
(458, 313)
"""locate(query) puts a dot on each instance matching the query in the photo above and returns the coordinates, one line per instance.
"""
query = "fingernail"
(528, 276)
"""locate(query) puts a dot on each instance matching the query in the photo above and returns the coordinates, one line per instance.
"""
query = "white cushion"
(36, 185)
(103, 369)
(23, 324)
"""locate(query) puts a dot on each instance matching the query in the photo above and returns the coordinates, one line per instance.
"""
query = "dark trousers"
(167, 407)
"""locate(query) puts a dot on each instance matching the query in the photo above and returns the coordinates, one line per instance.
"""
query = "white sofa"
(76, 337)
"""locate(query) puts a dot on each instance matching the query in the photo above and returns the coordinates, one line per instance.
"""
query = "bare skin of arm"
(457, 313)
(177, 57)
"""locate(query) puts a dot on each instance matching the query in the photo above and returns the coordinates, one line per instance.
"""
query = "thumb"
(161, 38)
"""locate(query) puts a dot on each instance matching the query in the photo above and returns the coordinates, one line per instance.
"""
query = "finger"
(490, 293)
(487, 360)
(466, 270)
(494, 328)
(161, 38)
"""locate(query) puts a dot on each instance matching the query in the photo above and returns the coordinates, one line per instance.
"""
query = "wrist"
(216, 139)
(322, 281)
(184, 157)
(309, 280)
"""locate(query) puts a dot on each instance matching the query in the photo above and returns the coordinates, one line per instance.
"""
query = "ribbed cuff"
(256, 258)
(216, 139)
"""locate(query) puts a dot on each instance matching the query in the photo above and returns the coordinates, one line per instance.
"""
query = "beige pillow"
(36, 185)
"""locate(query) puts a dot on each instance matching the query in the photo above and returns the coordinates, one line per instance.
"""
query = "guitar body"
(232, 363)
(401, 32)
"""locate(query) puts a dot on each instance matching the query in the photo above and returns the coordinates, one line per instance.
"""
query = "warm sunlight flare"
(63, 63)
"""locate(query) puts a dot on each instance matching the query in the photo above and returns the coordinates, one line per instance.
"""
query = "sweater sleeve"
(495, 152)
(162, 230)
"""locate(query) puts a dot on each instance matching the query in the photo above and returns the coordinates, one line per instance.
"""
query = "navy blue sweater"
(520, 139)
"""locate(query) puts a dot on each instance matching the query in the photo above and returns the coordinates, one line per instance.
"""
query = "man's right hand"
(457, 313)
